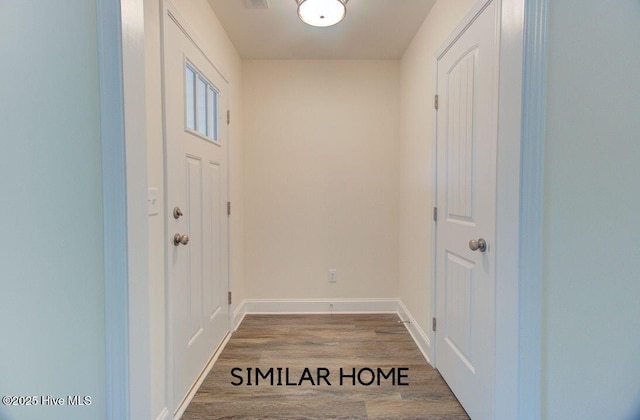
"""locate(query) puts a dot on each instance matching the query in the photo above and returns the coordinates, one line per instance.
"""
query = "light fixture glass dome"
(321, 13)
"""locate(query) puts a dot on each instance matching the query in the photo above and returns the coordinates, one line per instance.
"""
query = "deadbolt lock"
(177, 212)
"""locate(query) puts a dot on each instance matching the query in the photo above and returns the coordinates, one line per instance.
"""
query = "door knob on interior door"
(478, 245)
(180, 239)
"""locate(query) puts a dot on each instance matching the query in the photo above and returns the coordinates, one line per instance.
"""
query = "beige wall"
(218, 47)
(321, 164)
(416, 183)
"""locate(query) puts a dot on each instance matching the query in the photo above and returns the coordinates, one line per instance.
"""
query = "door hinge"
(228, 208)
(435, 102)
(228, 117)
(229, 298)
(435, 214)
(433, 324)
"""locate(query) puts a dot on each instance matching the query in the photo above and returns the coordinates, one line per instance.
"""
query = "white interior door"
(196, 184)
(466, 197)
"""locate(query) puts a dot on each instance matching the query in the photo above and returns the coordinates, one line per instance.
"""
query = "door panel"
(196, 182)
(459, 272)
(213, 299)
(460, 176)
(466, 182)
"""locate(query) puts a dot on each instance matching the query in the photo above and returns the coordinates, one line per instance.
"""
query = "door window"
(201, 104)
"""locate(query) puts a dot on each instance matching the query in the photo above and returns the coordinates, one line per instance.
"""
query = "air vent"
(256, 4)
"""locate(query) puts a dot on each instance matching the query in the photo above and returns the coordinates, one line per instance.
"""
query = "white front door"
(196, 183)
(466, 197)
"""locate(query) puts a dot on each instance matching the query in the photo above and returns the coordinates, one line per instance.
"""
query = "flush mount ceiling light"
(321, 13)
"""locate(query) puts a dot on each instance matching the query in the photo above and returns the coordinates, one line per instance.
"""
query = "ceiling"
(372, 29)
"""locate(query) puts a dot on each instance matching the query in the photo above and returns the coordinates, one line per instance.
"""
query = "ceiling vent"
(256, 4)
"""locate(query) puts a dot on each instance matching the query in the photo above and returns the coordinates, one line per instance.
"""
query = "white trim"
(124, 170)
(172, 11)
(340, 306)
(168, 310)
(434, 200)
(468, 19)
(114, 206)
(319, 306)
(531, 210)
(164, 414)
(133, 71)
(505, 398)
(203, 375)
(238, 315)
(422, 339)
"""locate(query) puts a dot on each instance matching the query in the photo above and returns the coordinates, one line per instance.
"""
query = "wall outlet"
(332, 275)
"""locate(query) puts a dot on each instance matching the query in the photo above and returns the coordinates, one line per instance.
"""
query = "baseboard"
(164, 414)
(238, 315)
(336, 306)
(422, 339)
(320, 306)
(187, 400)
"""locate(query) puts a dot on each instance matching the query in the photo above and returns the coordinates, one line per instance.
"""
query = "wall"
(52, 276)
(591, 315)
(219, 49)
(321, 178)
(416, 158)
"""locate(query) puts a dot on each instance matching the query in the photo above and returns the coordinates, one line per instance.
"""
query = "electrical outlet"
(332, 275)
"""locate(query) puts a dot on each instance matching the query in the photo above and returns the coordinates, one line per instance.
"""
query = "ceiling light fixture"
(321, 13)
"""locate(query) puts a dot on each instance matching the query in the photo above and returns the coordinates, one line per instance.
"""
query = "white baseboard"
(238, 316)
(185, 403)
(320, 306)
(164, 414)
(421, 338)
(336, 306)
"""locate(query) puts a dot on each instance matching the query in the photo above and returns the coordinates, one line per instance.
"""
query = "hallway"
(332, 205)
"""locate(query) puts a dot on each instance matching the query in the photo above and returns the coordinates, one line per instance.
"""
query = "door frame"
(519, 197)
(170, 12)
(532, 155)
(124, 181)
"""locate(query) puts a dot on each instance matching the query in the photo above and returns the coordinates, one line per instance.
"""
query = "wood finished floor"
(323, 341)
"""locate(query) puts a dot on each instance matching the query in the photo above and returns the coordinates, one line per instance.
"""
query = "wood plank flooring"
(323, 344)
